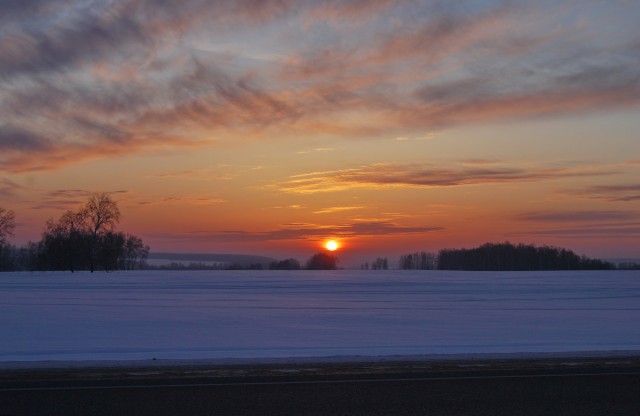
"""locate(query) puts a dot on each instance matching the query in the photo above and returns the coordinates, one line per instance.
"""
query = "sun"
(332, 245)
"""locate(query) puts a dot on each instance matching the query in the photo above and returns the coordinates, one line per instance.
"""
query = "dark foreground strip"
(311, 382)
(525, 388)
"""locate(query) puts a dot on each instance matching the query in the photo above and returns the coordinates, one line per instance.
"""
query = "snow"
(221, 315)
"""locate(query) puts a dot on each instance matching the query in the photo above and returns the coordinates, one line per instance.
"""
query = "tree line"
(380, 263)
(502, 257)
(319, 261)
(85, 239)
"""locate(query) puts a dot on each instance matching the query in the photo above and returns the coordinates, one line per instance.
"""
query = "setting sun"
(332, 245)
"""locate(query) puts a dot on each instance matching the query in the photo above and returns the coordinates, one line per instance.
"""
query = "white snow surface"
(257, 315)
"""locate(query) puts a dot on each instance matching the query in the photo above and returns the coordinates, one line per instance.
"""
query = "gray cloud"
(612, 193)
(63, 199)
(82, 40)
(77, 34)
(112, 78)
(631, 230)
(18, 139)
(14, 12)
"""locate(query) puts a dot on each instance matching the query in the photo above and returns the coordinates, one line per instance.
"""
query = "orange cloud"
(304, 232)
(383, 175)
(331, 210)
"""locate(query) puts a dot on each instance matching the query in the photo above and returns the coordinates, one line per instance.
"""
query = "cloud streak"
(385, 175)
(184, 200)
(616, 231)
(8, 188)
(332, 210)
(576, 216)
(203, 174)
(307, 232)
(64, 199)
(611, 193)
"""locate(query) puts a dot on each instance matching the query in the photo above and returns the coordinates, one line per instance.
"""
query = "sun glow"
(332, 245)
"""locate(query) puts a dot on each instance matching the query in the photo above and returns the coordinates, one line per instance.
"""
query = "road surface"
(546, 387)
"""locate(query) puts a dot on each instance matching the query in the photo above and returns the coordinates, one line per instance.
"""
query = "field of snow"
(257, 314)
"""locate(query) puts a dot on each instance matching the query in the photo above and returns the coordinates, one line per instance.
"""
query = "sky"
(269, 127)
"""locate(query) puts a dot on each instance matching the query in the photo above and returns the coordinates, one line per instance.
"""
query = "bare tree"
(101, 214)
(7, 224)
(135, 252)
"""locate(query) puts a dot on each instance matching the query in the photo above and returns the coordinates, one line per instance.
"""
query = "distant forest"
(505, 256)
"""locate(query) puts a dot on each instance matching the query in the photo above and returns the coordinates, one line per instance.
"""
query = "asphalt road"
(590, 387)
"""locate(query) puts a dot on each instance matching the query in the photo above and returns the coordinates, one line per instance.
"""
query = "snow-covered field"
(258, 314)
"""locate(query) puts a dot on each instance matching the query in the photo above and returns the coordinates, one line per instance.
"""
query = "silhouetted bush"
(287, 264)
(322, 261)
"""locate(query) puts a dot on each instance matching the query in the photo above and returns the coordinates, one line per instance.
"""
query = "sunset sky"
(270, 126)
